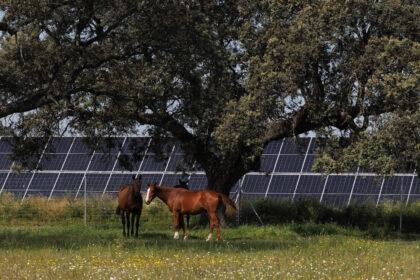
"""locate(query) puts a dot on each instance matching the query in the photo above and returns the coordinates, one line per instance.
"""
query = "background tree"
(224, 78)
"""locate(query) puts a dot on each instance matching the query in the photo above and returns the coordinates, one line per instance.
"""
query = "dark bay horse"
(130, 202)
(181, 201)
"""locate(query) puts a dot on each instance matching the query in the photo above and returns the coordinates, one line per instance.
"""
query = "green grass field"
(248, 252)
(42, 239)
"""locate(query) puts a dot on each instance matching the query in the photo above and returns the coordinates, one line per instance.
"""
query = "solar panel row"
(285, 172)
(337, 189)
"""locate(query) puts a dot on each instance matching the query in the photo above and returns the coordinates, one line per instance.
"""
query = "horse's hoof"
(209, 238)
(185, 237)
(176, 235)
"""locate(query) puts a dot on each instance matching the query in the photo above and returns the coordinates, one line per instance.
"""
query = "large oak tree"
(222, 77)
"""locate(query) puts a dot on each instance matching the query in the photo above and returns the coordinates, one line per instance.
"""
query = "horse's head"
(136, 179)
(151, 192)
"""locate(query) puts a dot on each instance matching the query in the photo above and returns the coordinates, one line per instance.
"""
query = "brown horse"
(181, 201)
(130, 202)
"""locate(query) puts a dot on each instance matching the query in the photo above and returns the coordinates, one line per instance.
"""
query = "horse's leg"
(127, 217)
(213, 219)
(133, 216)
(187, 227)
(122, 215)
(214, 222)
(137, 222)
(176, 224)
(182, 224)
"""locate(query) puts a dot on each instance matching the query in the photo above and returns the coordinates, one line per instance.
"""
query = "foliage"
(379, 149)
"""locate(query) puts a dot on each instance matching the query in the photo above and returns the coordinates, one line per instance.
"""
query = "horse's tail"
(227, 201)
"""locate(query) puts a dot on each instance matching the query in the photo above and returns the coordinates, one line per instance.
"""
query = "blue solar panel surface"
(284, 173)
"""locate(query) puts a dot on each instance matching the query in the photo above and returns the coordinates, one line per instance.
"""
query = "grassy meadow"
(53, 243)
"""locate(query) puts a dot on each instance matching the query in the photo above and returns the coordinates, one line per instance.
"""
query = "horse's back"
(194, 201)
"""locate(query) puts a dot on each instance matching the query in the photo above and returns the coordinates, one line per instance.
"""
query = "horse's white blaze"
(176, 235)
(147, 194)
(210, 237)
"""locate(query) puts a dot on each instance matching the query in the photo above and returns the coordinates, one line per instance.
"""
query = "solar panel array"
(67, 163)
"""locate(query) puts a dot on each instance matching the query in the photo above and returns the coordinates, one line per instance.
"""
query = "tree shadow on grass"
(79, 238)
(379, 234)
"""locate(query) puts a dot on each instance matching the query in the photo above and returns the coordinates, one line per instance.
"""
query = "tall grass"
(381, 220)
(384, 218)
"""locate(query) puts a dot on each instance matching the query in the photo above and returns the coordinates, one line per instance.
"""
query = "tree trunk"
(224, 180)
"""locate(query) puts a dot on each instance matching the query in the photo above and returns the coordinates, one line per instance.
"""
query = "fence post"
(401, 207)
(238, 202)
(85, 203)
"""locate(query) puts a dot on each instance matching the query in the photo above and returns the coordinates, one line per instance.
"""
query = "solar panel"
(290, 163)
(234, 189)
(255, 184)
(68, 182)
(311, 184)
(308, 163)
(135, 144)
(298, 146)
(392, 185)
(313, 147)
(176, 163)
(102, 162)
(150, 179)
(281, 184)
(43, 181)
(17, 182)
(414, 198)
(5, 145)
(118, 180)
(95, 183)
(367, 185)
(273, 147)
(52, 161)
(197, 182)
(77, 162)
(151, 163)
(3, 177)
(267, 163)
(337, 190)
(80, 146)
(415, 189)
(111, 145)
(171, 179)
(5, 162)
(59, 145)
(132, 163)
(178, 149)
(339, 184)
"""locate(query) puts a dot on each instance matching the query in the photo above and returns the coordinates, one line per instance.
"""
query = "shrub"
(377, 219)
